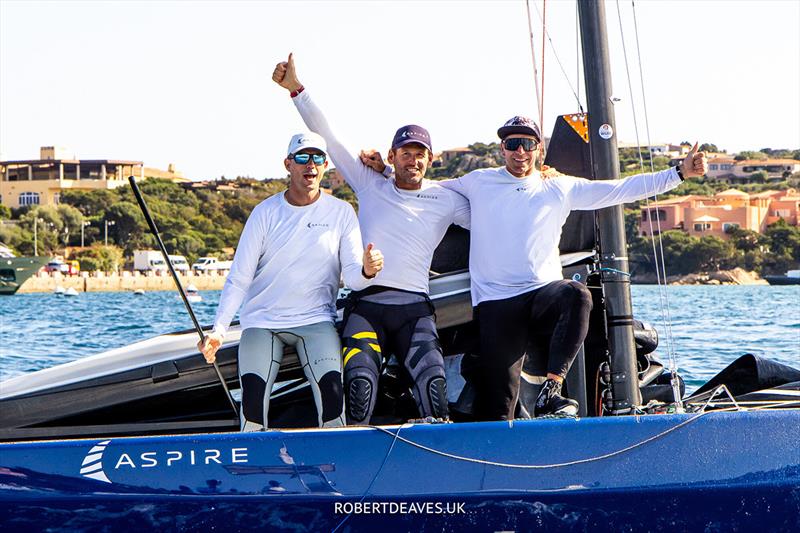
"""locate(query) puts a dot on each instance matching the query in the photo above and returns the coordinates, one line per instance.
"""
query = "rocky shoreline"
(737, 276)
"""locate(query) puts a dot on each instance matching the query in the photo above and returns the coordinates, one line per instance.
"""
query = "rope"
(547, 466)
(541, 108)
(657, 257)
(380, 468)
(533, 60)
(577, 57)
(615, 271)
(575, 93)
(663, 292)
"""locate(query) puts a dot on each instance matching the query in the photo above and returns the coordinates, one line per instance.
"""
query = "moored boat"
(792, 277)
(14, 271)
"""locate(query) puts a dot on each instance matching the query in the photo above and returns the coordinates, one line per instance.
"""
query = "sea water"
(709, 326)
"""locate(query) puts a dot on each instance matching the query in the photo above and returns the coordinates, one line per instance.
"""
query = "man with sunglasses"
(408, 215)
(285, 276)
(518, 289)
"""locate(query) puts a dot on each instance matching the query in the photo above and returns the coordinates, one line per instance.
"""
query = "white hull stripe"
(97, 449)
(99, 476)
(91, 468)
(91, 458)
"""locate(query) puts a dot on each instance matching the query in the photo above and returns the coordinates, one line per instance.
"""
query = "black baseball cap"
(412, 134)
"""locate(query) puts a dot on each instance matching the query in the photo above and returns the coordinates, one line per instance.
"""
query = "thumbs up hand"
(695, 164)
(373, 261)
(285, 75)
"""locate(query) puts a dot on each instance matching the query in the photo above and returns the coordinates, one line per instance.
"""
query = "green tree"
(99, 257)
(91, 203)
(346, 193)
(784, 239)
(129, 227)
(746, 240)
(710, 253)
(747, 154)
(708, 147)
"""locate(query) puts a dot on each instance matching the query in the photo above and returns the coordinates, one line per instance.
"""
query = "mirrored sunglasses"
(302, 159)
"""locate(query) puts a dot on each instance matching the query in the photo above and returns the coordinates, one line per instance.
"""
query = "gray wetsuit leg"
(317, 347)
(260, 355)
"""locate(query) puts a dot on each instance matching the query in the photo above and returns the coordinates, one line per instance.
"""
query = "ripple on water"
(711, 326)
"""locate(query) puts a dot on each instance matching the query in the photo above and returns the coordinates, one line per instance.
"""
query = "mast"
(611, 233)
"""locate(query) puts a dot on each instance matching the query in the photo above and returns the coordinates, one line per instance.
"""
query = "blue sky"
(189, 83)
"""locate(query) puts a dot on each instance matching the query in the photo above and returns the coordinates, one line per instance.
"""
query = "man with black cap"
(285, 277)
(518, 289)
(407, 216)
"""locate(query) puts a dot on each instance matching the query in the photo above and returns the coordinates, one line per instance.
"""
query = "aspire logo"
(92, 466)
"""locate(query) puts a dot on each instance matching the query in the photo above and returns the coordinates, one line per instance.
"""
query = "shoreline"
(45, 282)
(127, 281)
(736, 276)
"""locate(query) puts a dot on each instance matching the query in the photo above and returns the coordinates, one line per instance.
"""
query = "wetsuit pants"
(260, 355)
(395, 322)
(555, 316)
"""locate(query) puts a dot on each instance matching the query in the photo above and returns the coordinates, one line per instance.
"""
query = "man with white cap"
(408, 215)
(285, 275)
(518, 289)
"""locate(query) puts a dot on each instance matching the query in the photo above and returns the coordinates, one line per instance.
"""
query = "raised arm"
(355, 173)
(585, 194)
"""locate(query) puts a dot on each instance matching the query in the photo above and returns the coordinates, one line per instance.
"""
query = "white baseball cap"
(302, 141)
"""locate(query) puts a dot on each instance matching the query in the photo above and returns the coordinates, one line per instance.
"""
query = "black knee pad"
(253, 390)
(330, 389)
(437, 396)
(358, 398)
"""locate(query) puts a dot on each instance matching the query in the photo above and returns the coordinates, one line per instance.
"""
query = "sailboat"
(146, 433)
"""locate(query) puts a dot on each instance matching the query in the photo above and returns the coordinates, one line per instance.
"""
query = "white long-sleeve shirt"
(406, 226)
(516, 222)
(288, 262)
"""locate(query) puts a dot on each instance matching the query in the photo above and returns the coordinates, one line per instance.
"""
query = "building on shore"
(675, 151)
(725, 168)
(41, 181)
(716, 215)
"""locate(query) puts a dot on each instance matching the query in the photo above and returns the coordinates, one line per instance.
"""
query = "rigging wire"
(577, 57)
(533, 60)
(575, 93)
(663, 298)
(541, 109)
(667, 318)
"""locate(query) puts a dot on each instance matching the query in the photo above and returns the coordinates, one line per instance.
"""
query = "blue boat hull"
(717, 471)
